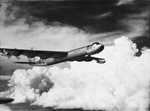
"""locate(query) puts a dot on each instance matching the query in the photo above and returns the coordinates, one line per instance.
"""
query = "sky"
(61, 25)
(108, 17)
(65, 25)
(102, 20)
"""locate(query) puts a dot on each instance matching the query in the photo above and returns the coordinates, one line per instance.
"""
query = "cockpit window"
(95, 43)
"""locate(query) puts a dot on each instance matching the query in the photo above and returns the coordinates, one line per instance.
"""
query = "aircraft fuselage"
(76, 54)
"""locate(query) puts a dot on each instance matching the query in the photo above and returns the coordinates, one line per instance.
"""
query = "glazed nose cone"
(101, 47)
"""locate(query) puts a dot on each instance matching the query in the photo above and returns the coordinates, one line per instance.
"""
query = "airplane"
(46, 58)
(5, 100)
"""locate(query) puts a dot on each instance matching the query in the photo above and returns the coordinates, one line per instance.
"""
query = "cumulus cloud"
(122, 83)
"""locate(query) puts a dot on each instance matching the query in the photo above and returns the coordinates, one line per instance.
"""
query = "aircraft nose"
(101, 47)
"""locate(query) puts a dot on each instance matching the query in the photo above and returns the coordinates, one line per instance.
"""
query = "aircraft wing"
(33, 53)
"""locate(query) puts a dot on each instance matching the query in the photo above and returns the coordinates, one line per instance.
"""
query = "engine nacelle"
(87, 59)
(5, 53)
(37, 59)
(49, 60)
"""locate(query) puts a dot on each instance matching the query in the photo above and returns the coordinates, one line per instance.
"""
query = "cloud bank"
(122, 83)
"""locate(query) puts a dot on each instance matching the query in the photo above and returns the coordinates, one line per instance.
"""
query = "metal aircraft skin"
(5, 100)
(45, 58)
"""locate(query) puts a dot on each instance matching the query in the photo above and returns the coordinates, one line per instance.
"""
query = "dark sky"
(82, 14)
(94, 16)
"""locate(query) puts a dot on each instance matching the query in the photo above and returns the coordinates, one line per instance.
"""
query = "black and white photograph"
(74, 55)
